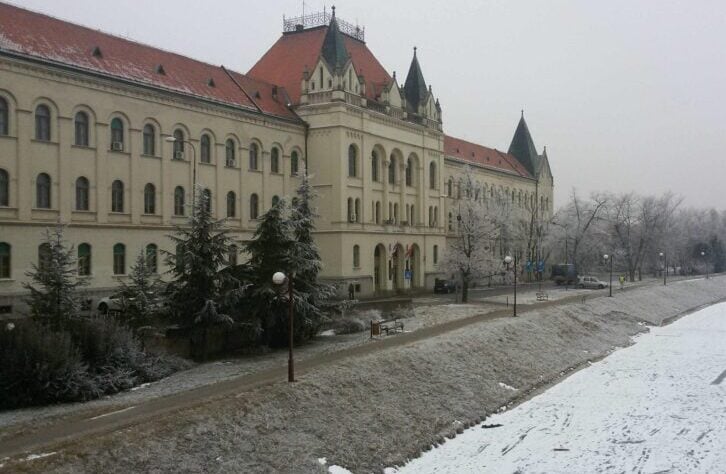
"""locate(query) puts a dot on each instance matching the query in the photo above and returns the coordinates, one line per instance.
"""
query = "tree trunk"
(464, 289)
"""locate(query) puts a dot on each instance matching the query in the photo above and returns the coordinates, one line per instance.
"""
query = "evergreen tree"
(141, 296)
(314, 295)
(54, 281)
(269, 251)
(202, 252)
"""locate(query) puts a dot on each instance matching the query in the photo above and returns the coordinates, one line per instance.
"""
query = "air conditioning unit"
(352, 218)
(178, 155)
(117, 146)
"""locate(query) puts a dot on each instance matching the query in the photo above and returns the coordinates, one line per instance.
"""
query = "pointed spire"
(415, 86)
(522, 146)
(333, 49)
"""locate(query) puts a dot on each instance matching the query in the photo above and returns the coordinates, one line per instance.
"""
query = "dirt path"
(80, 425)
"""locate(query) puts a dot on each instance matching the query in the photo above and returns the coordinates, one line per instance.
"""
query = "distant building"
(85, 119)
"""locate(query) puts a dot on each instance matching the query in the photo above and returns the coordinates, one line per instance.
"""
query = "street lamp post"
(703, 256)
(664, 256)
(173, 139)
(610, 258)
(507, 261)
(279, 278)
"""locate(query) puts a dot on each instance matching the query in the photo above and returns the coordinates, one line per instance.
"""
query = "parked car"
(109, 303)
(444, 286)
(591, 282)
(564, 273)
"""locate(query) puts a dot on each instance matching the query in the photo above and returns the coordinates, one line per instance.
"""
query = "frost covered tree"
(54, 282)
(270, 250)
(480, 225)
(142, 294)
(197, 267)
(314, 295)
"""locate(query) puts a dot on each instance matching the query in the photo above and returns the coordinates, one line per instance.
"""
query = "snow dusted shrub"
(349, 325)
(40, 366)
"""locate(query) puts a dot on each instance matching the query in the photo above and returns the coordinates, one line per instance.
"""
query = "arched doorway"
(397, 267)
(379, 268)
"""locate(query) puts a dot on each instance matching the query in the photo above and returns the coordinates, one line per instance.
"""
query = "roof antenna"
(333, 8)
(414, 51)
(522, 113)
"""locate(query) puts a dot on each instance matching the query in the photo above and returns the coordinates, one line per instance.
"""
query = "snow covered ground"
(657, 406)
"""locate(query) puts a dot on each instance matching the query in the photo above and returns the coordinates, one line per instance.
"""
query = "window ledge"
(83, 147)
(44, 142)
(228, 166)
(9, 137)
(144, 155)
(120, 152)
(254, 170)
(9, 280)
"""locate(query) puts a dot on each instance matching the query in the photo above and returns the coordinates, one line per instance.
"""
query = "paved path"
(655, 407)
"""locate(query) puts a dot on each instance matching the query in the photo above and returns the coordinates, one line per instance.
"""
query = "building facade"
(109, 137)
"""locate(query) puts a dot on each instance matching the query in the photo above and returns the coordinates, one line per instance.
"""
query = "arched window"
(451, 222)
(294, 163)
(44, 259)
(395, 213)
(231, 204)
(42, 191)
(207, 199)
(352, 161)
(412, 220)
(351, 212)
(374, 166)
(205, 149)
(117, 134)
(149, 140)
(275, 200)
(409, 172)
(450, 188)
(378, 212)
(459, 185)
(149, 199)
(254, 207)
(436, 216)
(82, 194)
(229, 153)
(119, 259)
(4, 260)
(275, 160)
(81, 126)
(179, 201)
(152, 254)
(392, 170)
(431, 216)
(84, 260)
(254, 155)
(357, 210)
(178, 144)
(4, 118)
(42, 123)
(117, 196)
(432, 175)
(356, 256)
(4, 188)
(233, 251)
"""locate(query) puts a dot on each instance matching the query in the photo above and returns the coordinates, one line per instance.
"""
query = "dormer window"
(160, 70)
(211, 83)
(97, 52)
(257, 95)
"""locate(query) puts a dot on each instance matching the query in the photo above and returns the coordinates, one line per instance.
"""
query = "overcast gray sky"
(627, 95)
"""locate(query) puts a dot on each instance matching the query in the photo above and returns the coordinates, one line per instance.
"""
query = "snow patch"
(329, 332)
(32, 457)
(338, 470)
(507, 387)
(323, 461)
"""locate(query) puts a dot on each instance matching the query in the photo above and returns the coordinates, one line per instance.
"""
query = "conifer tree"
(315, 295)
(269, 251)
(202, 251)
(54, 282)
(141, 295)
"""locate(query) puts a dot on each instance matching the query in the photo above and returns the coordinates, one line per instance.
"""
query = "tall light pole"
(173, 139)
(664, 256)
(611, 258)
(507, 261)
(278, 279)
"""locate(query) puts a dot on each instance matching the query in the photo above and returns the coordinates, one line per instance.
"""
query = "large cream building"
(86, 127)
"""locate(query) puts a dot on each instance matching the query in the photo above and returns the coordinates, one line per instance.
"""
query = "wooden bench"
(542, 296)
(388, 326)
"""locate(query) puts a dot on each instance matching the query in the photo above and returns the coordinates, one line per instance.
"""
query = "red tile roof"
(285, 62)
(47, 38)
(483, 156)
